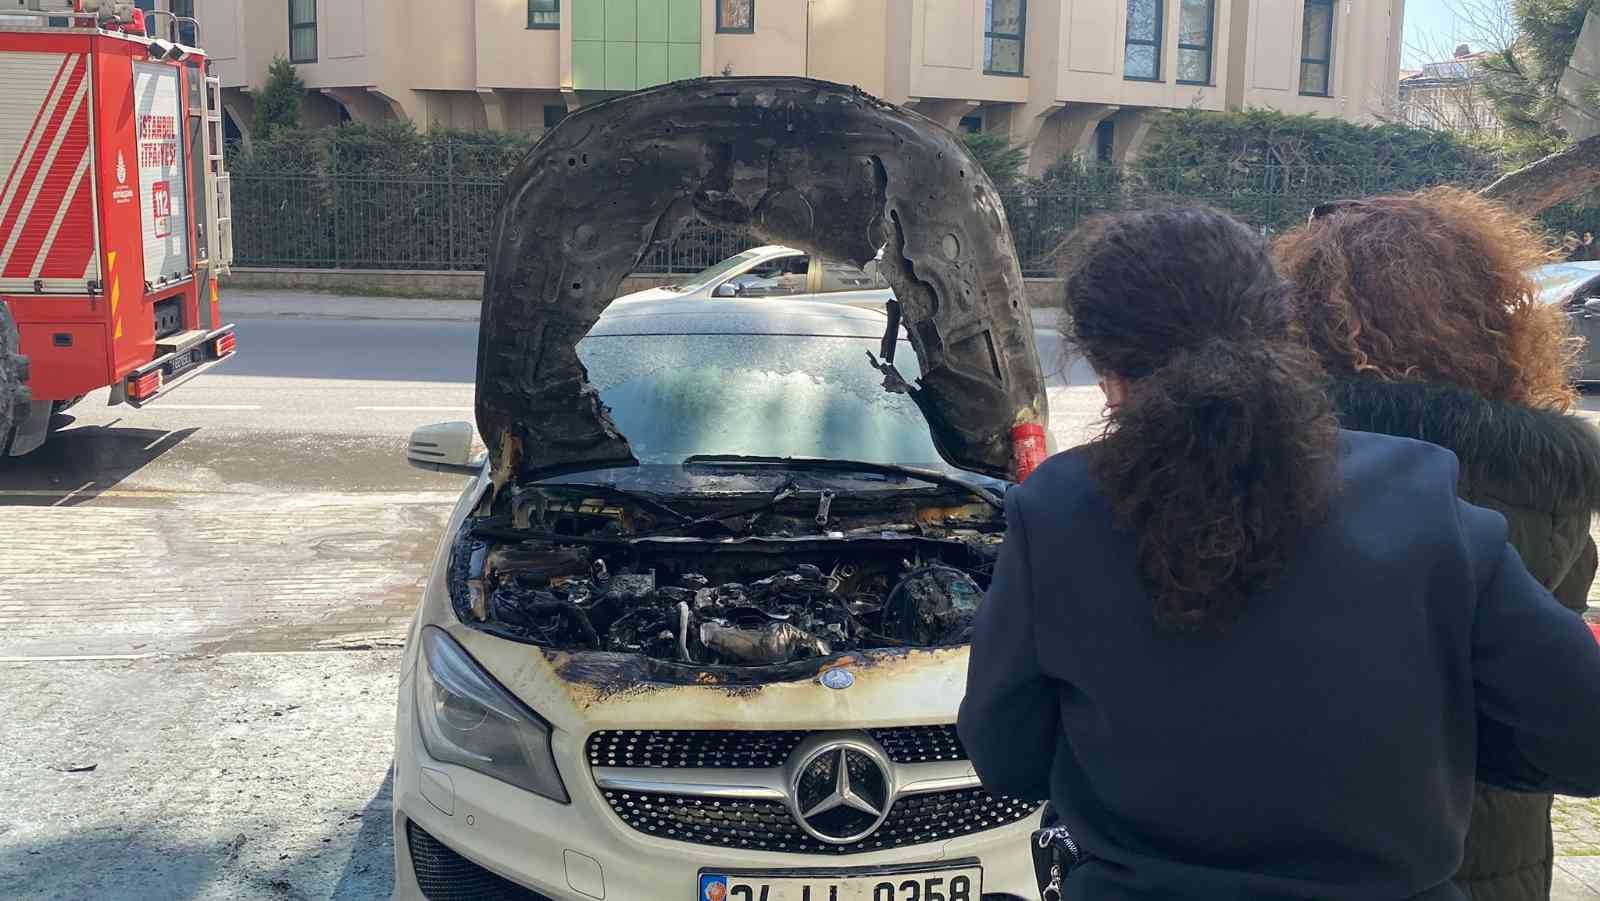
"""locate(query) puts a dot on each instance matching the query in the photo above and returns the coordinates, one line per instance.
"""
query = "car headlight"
(468, 719)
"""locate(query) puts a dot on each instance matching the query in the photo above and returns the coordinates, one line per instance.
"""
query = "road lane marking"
(62, 658)
(208, 407)
(75, 492)
(415, 409)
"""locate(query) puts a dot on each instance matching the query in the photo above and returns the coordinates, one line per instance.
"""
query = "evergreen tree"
(278, 105)
(1523, 78)
(1001, 159)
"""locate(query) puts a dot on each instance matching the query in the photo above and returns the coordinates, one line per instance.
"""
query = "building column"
(494, 108)
(356, 102)
(948, 113)
(1078, 124)
(1028, 129)
(402, 105)
(239, 106)
(1132, 127)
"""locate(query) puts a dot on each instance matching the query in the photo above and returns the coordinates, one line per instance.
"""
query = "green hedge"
(389, 196)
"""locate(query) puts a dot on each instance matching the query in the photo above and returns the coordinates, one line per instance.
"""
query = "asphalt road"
(308, 404)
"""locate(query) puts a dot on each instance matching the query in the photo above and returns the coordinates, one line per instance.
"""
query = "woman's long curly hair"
(1430, 287)
(1221, 454)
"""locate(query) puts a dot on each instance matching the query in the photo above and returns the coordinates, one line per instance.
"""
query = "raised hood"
(810, 164)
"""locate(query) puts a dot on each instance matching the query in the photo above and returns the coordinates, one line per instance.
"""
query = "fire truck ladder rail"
(219, 200)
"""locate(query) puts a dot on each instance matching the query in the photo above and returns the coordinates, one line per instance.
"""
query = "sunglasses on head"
(1324, 210)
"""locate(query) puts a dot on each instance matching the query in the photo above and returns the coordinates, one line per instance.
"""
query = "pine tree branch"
(1556, 179)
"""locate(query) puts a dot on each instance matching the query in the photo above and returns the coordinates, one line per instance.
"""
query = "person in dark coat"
(1421, 308)
(1246, 654)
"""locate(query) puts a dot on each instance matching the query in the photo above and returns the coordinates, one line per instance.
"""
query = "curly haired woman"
(1243, 652)
(1421, 309)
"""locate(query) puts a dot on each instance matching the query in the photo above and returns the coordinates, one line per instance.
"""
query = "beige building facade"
(1063, 77)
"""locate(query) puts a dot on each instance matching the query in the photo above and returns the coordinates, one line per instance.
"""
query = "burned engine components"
(543, 617)
(773, 643)
(535, 565)
(933, 605)
(741, 602)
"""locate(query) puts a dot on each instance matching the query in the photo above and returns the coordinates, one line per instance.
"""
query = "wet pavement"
(264, 506)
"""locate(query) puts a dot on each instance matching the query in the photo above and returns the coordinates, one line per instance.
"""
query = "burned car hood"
(817, 166)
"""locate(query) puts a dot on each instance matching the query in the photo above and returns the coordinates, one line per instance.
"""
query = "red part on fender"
(1027, 449)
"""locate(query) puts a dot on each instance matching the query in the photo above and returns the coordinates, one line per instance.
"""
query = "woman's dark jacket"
(1541, 470)
(1325, 744)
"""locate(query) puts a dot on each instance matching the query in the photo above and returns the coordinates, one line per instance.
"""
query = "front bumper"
(582, 851)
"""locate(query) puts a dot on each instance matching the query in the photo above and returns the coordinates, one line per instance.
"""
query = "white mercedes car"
(735, 665)
(697, 628)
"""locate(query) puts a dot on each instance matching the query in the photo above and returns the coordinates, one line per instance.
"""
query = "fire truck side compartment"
(62, 372)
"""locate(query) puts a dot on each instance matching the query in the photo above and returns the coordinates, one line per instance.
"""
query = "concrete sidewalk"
(282, 304)
(244, 776)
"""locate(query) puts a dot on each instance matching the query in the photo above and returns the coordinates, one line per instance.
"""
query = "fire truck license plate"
(946, 884)
(184, 360)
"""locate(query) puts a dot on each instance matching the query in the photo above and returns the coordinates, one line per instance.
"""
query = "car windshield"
(1556, 282)
(707, 276)
(771, 395)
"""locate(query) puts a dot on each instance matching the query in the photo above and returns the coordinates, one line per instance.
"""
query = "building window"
(736, 16)
(185, 9)
(1004, 24)
(1195, 19)
(544, 13)
(1141, 54)
(1316, 48)
(971, 125)
(553, 115)
(302, 31)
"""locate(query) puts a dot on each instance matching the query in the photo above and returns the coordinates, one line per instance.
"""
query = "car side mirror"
(726, 289)
(444, 447)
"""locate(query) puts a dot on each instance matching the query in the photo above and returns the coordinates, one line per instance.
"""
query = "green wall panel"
(588, 65)
(652, 64)
(622, 66)
(683, 61)
(588, 20)
(653, 15)
(622, 45)
(622, 20)
(684, 27)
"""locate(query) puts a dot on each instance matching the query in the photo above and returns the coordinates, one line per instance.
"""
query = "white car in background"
(778, 271)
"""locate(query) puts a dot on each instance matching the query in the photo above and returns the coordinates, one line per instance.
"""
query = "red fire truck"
(114, 206)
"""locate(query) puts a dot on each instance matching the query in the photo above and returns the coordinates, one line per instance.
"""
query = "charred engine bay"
(713, 585)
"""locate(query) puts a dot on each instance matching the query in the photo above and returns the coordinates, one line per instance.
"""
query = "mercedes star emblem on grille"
(840, 789)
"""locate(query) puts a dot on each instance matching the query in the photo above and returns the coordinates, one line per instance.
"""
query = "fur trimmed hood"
(1534, 458)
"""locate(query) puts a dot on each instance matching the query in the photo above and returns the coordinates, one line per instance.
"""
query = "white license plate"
(960, 883)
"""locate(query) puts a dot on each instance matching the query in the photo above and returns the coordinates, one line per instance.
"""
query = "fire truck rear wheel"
(13, 379)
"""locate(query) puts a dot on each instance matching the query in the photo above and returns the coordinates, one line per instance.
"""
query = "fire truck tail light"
(145, 386)
(224, 345)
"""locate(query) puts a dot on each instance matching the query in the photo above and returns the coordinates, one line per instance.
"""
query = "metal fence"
(446, 222)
